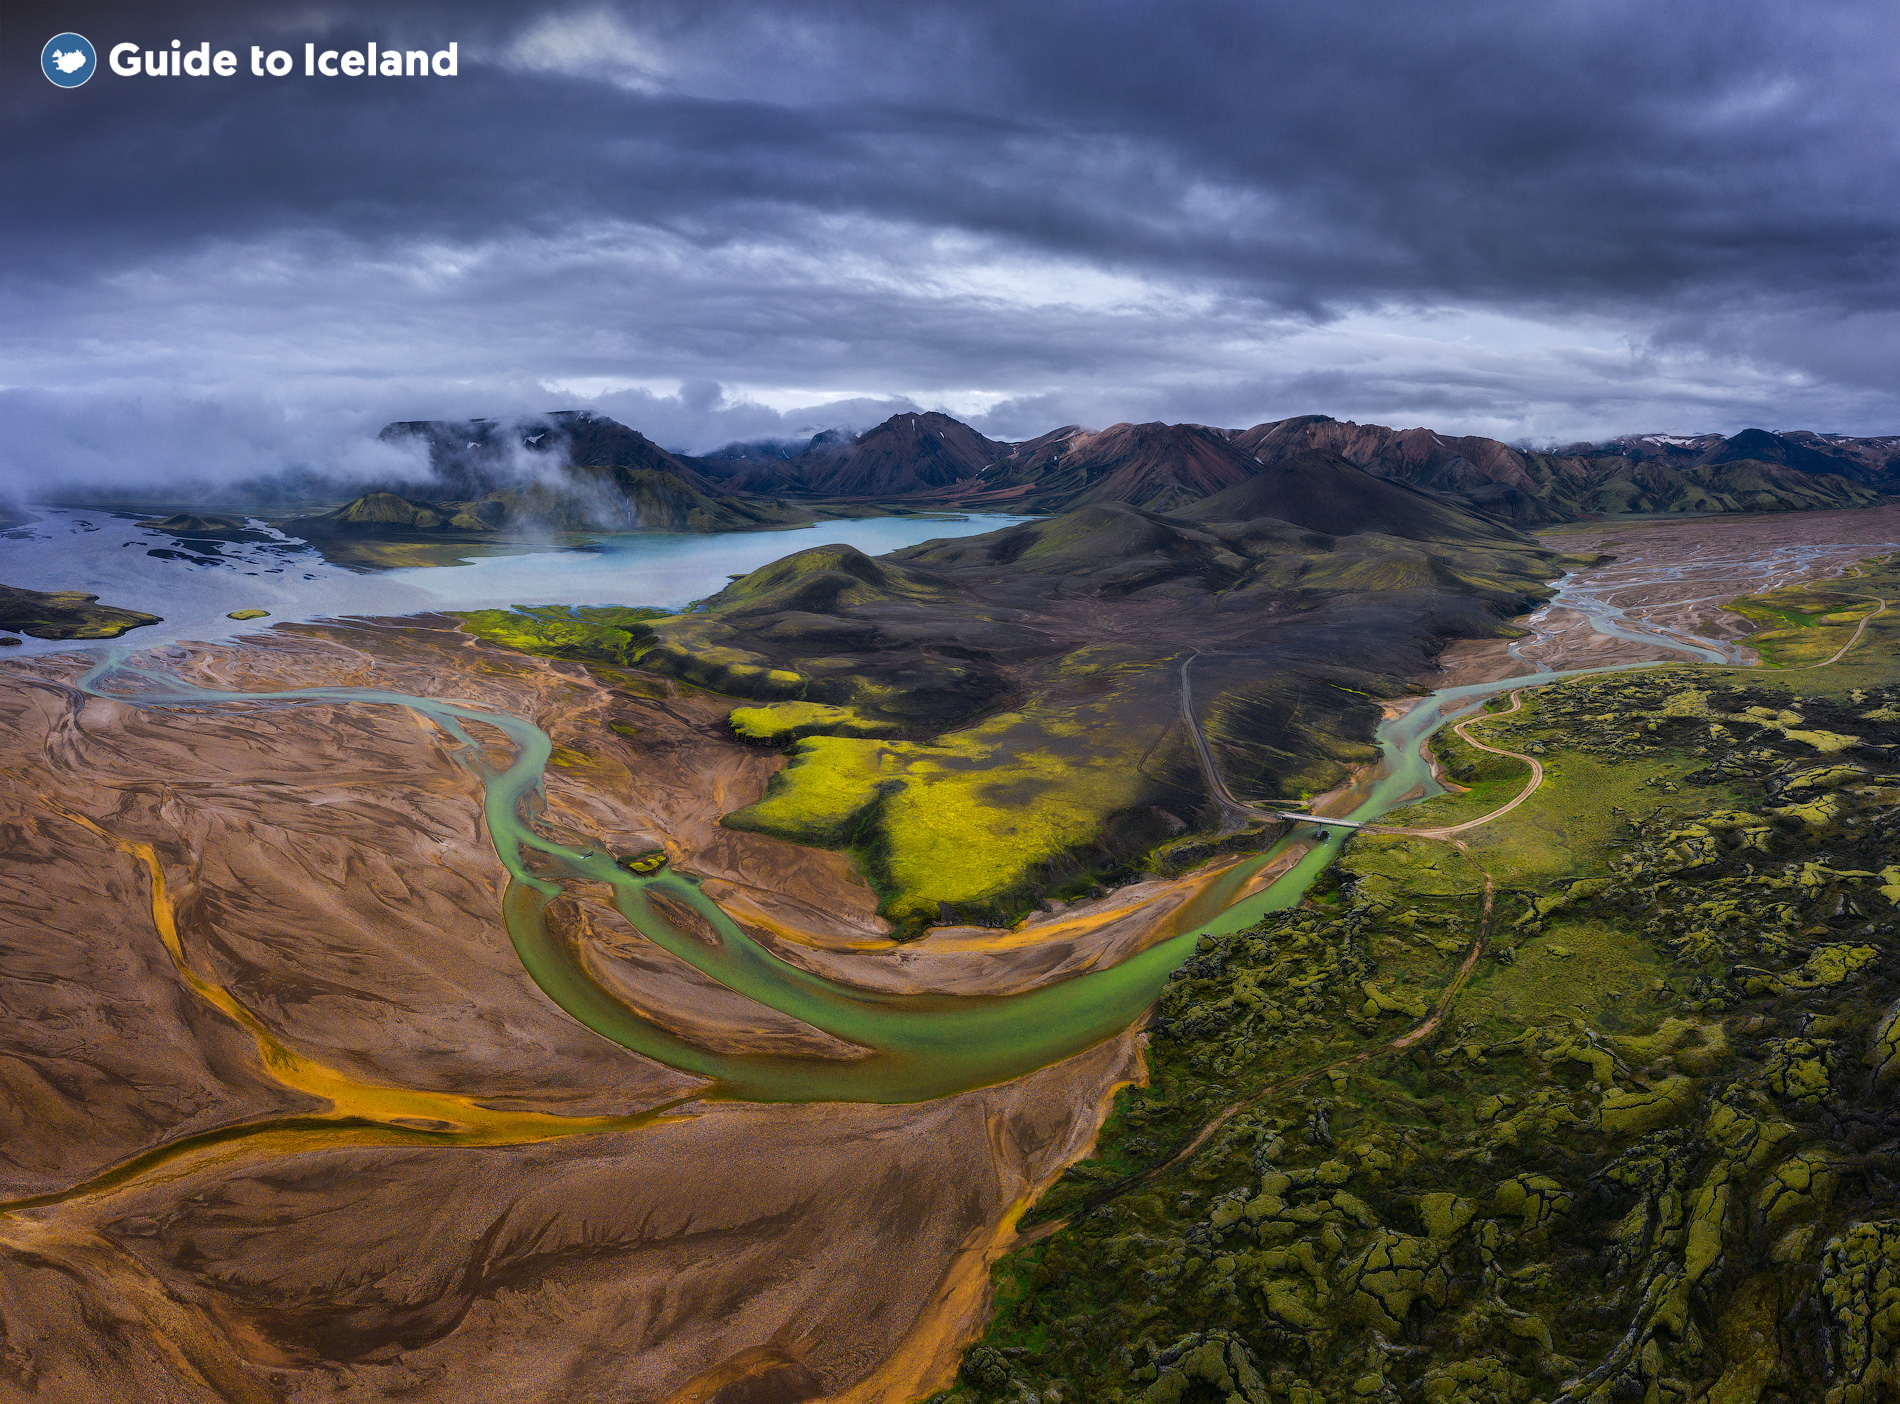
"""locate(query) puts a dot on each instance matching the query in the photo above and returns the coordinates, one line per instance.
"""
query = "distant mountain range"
(1640, 474)
(1163, 467)
(581, 471)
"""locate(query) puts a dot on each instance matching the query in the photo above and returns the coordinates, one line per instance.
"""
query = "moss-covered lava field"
(1596, 1105)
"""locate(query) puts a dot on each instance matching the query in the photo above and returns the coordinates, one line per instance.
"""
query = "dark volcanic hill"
(1482, 471)
(1158, 466)
(612, 497)
(1324, 492)
(1021, 691)
(905, 455)
(563, 471)
(473, 456)
(603, 499)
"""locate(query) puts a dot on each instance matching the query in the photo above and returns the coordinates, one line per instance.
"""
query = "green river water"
(915, 1047)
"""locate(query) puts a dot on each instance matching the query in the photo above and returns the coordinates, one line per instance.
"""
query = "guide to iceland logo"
(68, 59)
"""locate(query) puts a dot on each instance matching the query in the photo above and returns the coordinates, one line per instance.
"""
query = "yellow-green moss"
(966, 821)
(593, 633)
(780, 722)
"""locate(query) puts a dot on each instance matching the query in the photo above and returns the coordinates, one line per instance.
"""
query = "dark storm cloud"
(1582, 217)
(1310, 153)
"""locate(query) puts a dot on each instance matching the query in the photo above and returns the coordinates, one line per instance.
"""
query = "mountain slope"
(619, 499)
(1871, 461)
(582, 499)
(562, 471)
(472, 456)
(1157, 466)
(1753, 471)
(905, 455)
(386, 511)
(1323, 491)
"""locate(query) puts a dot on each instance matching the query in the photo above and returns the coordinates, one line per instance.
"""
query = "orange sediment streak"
(927, 1359)
(444, 1115)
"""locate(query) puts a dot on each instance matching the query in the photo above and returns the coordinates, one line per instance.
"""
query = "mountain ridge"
(570, 470)
(1167, 467)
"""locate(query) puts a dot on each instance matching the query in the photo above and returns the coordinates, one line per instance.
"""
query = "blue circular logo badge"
(68, 59)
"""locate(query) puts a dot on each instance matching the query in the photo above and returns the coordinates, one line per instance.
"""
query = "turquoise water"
(194, 585)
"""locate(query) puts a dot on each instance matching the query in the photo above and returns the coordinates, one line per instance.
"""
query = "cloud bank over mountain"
(1534, 223)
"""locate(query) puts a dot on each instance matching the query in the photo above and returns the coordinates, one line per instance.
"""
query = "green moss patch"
(590, 633)
(793, 721)
(1801, 627)
(968, 827)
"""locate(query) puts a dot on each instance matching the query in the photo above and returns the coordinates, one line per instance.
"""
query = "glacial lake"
(195, 584)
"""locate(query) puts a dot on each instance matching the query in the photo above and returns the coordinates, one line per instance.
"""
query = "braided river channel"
(915, 1046)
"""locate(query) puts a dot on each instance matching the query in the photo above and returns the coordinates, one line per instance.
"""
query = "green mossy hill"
(381, 510)
(979, 824)
(1116, 548)
(1323, 492)
(901, 648)
(195, 524)
(1646, 1155)
(579, 500)
(1260, 561)
(65, 614)
(823, 579)
(1083, 545)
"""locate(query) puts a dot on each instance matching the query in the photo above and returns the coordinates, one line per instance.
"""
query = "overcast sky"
(718, 220)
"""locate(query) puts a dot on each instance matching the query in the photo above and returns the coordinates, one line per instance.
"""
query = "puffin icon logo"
(68, 60)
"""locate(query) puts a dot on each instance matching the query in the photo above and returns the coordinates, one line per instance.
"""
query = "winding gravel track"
(1234, 815)
(1841, 652)
(1530, 788)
